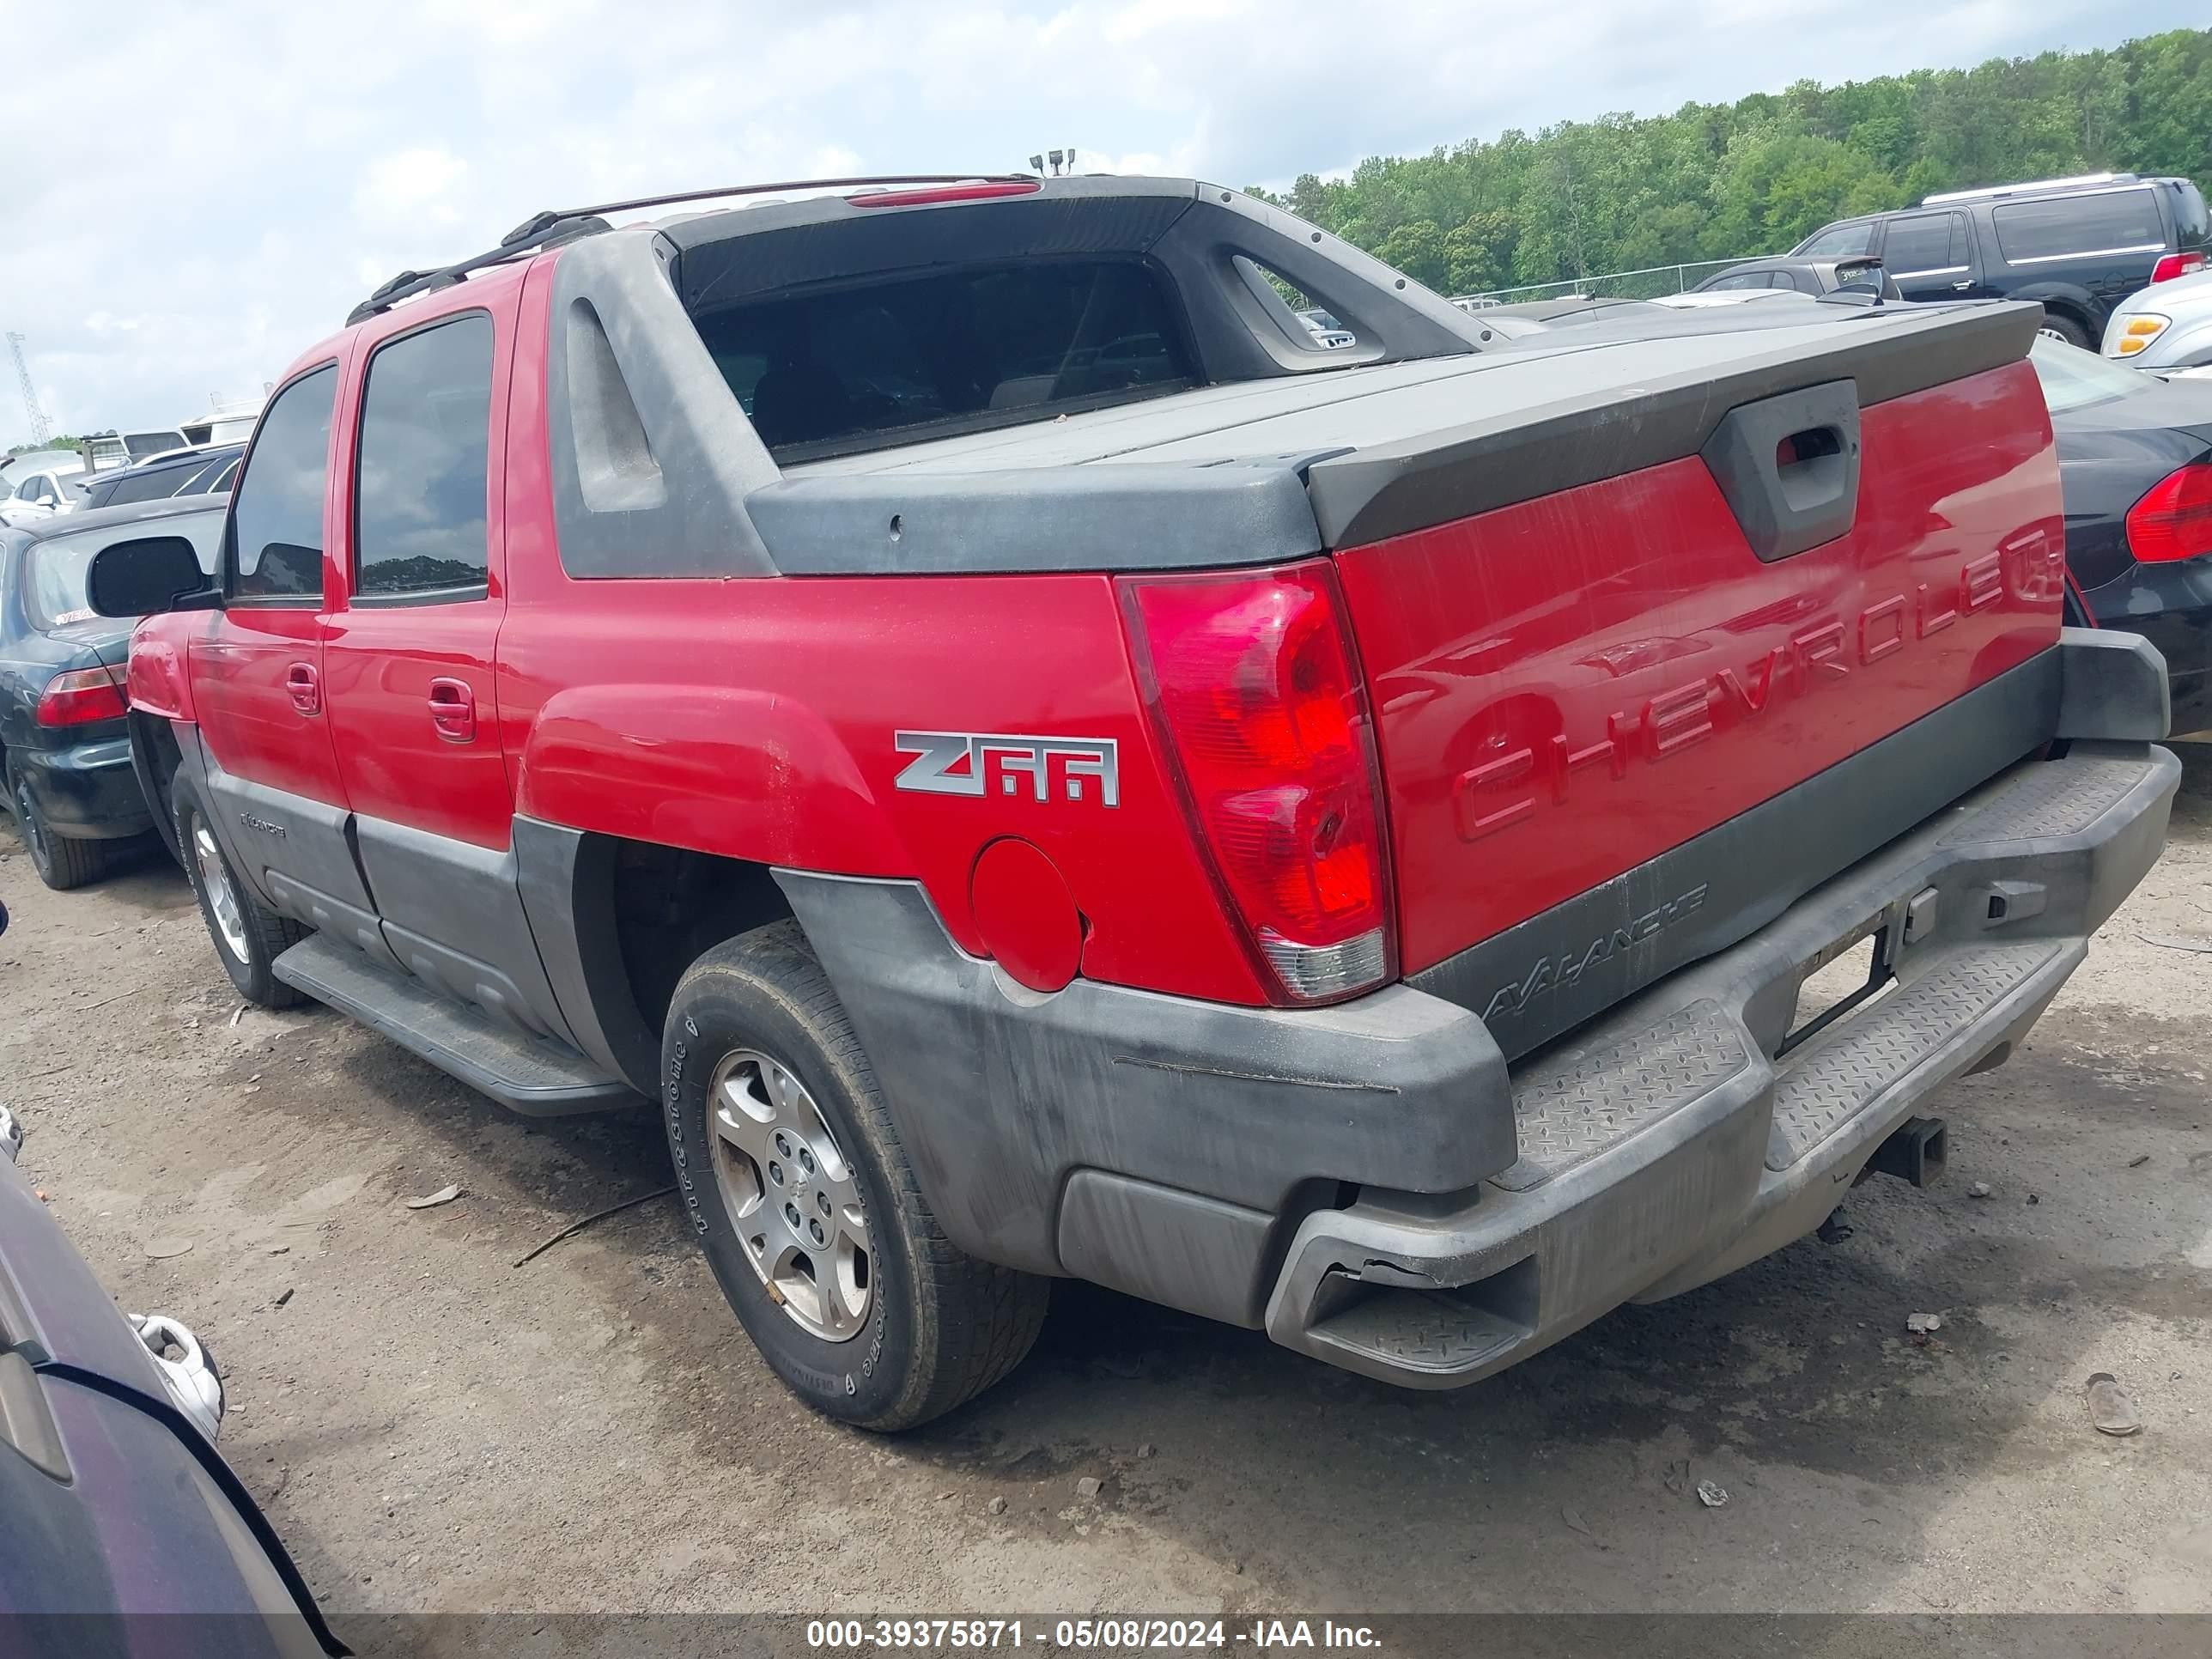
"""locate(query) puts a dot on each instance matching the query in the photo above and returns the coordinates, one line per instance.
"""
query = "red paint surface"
(754, 719)
(1026, 915)
(1569, 686)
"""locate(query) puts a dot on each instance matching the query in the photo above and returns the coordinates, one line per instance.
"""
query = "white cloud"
(234, 203)
(408, 183)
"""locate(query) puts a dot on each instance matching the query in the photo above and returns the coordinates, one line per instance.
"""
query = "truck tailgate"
(1569, 686)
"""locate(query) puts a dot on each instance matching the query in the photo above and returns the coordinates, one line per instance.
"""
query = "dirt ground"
(432, 1427)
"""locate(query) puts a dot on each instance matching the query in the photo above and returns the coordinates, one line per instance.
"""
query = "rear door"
(271, 772)
(1930, 256)
(408, 659)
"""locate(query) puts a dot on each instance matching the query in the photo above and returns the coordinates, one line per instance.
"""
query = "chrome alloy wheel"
(792, 1196)
(222, 896)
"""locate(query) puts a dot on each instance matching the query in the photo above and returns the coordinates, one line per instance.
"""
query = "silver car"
(2166, 327)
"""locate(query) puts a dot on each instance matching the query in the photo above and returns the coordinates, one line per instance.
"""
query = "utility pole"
(42, 429)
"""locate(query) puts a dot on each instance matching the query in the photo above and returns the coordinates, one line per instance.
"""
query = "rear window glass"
(2193, 225)
(154, 486)
(1839, 241)
(54, 570)
(2074, 379)
(420, 503)
(2100, 224)
(827, 370)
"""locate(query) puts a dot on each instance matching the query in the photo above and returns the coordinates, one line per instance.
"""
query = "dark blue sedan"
(2134, 461)
(64, 742)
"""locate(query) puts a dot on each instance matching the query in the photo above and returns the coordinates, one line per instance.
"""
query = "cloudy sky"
(190, 196)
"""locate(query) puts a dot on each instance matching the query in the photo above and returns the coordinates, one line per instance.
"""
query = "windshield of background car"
(54, 572)
(2074, 379)
(826, 371)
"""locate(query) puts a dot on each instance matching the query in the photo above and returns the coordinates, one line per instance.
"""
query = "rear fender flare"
(739, 774)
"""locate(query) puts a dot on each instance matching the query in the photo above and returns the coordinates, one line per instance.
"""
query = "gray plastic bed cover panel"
(1262, 472)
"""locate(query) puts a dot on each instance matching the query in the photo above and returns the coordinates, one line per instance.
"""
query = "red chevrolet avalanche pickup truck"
(1040, 767)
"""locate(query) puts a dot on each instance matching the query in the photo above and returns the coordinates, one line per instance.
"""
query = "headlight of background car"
(2139, 333)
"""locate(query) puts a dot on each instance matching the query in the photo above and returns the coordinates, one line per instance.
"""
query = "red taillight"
(2173, 520)
(2177, 265)
(1254, 688)
(981, 190)
(81, 697)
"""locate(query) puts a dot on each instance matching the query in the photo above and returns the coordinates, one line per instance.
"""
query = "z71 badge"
(979, 764)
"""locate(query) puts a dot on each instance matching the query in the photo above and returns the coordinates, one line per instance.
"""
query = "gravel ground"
(432, 1427)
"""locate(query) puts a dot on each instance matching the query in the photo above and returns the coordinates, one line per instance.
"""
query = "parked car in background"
(117, 1502)
(2080, 245)
(2166, 328)
(64, 745)
(1327, 330)
(200, 471)
(1813, 276)
(29, 494)
(229, 424)
(2135, 462)
(106, 452)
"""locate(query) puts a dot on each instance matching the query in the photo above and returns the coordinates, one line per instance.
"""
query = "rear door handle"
(453, 710)
(306, 687)
(1962, 287)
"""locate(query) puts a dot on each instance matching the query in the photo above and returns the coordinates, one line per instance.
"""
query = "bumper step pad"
(526, 1073)
(1879, 1048)
(1568, 1112)
(1669, 1146)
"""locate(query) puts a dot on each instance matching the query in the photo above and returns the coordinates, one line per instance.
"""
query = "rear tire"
(62, 861)
(248, 936)
(793, 1178)
(2060, 326)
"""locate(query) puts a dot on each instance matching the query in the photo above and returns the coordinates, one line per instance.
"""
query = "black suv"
(2080, 245)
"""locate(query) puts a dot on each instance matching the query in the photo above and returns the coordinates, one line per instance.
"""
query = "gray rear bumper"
(1667, 1144)
(1377, 1186)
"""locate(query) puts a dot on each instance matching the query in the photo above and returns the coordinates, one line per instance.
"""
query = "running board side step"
(532, 1075)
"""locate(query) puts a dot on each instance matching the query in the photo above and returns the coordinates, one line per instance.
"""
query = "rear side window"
(2110, 221)
(983, 347)
(1926, 241)
(420, 502)
(277, 542)
(1840, 241)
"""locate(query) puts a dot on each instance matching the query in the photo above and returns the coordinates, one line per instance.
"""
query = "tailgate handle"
(1789, 467)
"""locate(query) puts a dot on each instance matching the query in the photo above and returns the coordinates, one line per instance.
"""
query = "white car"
(2166, 328)
(33, 487)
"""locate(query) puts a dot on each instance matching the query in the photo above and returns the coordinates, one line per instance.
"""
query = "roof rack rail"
(556, 225)
(408, 283)
(2079, 181)
(537, 221)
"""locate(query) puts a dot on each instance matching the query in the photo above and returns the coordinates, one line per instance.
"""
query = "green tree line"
(1715, 181)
